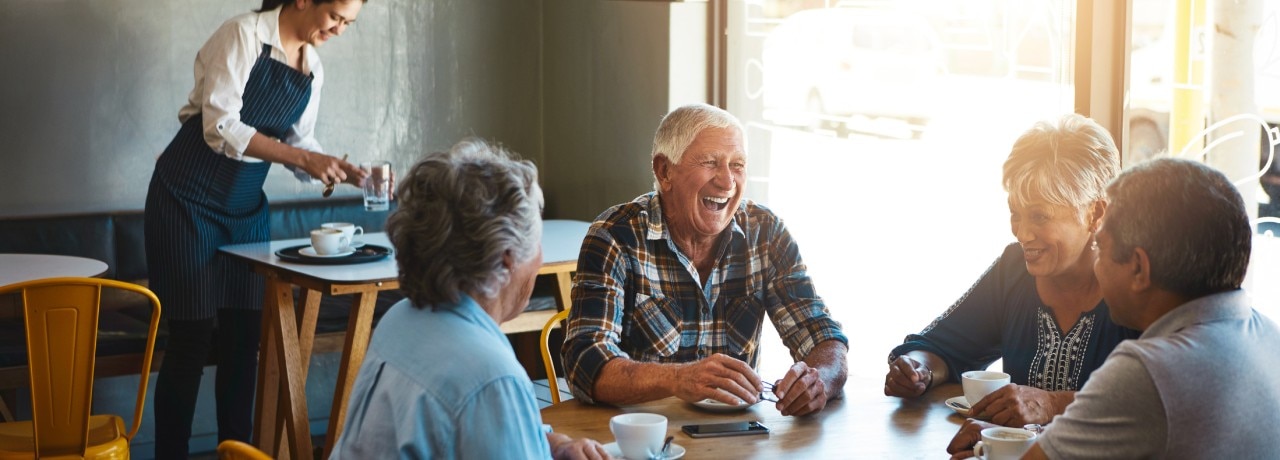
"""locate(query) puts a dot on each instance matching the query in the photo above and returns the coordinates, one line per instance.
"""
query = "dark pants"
(235, 342)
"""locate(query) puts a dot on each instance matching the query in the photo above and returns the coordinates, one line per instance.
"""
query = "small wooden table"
(287, 340)
(865, 424)
(16, 268)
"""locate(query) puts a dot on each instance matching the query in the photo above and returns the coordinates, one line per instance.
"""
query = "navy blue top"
(1002, 316)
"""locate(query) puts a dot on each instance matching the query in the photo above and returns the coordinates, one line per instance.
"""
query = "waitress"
(257, 91)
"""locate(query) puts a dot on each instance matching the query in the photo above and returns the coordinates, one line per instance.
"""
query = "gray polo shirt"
(1202, 382)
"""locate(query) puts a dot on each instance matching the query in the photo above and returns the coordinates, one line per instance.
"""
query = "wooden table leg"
(564, 284)
(268, 372)
(306, 340)
(307, 327)
(359, 325)
(4, 408)
(293, 394)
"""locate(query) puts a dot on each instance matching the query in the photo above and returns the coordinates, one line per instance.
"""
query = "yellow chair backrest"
(546, 354)
(61, 316)
(236, 450)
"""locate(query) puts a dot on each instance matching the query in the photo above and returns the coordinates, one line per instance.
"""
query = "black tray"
(366, 253)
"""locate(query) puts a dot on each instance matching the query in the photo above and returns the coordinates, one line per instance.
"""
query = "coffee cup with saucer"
(327, 242)
(350, 230)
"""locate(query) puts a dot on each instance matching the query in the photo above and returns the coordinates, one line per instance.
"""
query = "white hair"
(460, 211)
(678, 129)
(1067, 163)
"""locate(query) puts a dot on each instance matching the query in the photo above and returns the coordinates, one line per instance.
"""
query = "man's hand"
(907, 378)
(564, 447)
(718, 377)
(1018, 405)
(970, 433)
(801, 391)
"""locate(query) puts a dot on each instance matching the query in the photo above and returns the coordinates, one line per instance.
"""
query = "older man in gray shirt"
(1203, 380)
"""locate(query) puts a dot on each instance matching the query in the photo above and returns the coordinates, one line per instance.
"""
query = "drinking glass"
(377, 187)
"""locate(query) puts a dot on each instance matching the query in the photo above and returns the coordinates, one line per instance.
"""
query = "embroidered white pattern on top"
(1059, 357)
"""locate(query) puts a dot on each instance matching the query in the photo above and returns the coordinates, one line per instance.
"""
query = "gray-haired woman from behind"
(440, 379)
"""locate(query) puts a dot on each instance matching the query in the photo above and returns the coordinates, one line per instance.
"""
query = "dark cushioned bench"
(117, 238)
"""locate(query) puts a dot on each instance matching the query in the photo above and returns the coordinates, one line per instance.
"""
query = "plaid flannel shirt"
(635, 295)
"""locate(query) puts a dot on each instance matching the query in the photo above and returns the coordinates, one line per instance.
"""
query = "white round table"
(16, 268)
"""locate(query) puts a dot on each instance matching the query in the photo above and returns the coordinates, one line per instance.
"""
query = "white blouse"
(222, 70)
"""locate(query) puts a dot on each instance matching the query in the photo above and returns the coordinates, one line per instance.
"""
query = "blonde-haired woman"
(1038, 307)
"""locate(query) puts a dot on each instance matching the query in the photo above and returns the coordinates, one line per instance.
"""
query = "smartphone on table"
(711, 430)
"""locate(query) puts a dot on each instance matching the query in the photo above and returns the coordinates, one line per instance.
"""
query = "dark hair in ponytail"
(268, 5)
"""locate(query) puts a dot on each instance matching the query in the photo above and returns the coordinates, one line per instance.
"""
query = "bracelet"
(930, 382)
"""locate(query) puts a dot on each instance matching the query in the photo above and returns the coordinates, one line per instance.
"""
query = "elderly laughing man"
(672, 288)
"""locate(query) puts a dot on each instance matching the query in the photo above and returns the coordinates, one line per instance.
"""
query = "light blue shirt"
(441, 384)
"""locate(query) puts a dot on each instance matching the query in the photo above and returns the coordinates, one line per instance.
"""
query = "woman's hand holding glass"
(329, 169)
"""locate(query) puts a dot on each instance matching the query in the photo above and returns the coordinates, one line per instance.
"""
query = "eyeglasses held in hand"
(768, 394)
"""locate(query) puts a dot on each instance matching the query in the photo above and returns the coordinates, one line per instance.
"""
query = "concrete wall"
(90, 90)
(612, 70)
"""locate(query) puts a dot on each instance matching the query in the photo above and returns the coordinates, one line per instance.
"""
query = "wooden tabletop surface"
(864, 424)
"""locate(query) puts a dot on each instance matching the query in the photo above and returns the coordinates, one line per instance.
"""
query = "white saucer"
(673, 452)
(954, 404)
(311, 252)
(357, 244)
(717, 406)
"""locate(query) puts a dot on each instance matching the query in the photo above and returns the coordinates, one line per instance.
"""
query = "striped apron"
(200, 199)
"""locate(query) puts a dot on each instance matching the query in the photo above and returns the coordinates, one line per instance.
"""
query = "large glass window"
(1156, 112)
(877, 130)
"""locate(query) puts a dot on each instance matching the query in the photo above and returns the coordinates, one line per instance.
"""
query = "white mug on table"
(979, 384)
(348, 229)
(639, 435)
(329, 241)
(1003, 443)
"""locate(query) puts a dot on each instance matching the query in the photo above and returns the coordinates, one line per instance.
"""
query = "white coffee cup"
(979, 384)
(329, 241)
(640, 434)
(1003, 443)
(349, 229)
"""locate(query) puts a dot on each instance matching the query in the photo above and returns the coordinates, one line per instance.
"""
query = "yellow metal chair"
(546, 354)
(236, 450)
(61, 316)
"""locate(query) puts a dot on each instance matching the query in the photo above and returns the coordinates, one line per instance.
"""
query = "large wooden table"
(865, 424)
(288, 338)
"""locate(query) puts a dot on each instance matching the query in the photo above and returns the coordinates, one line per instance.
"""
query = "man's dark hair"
(1190, 220)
